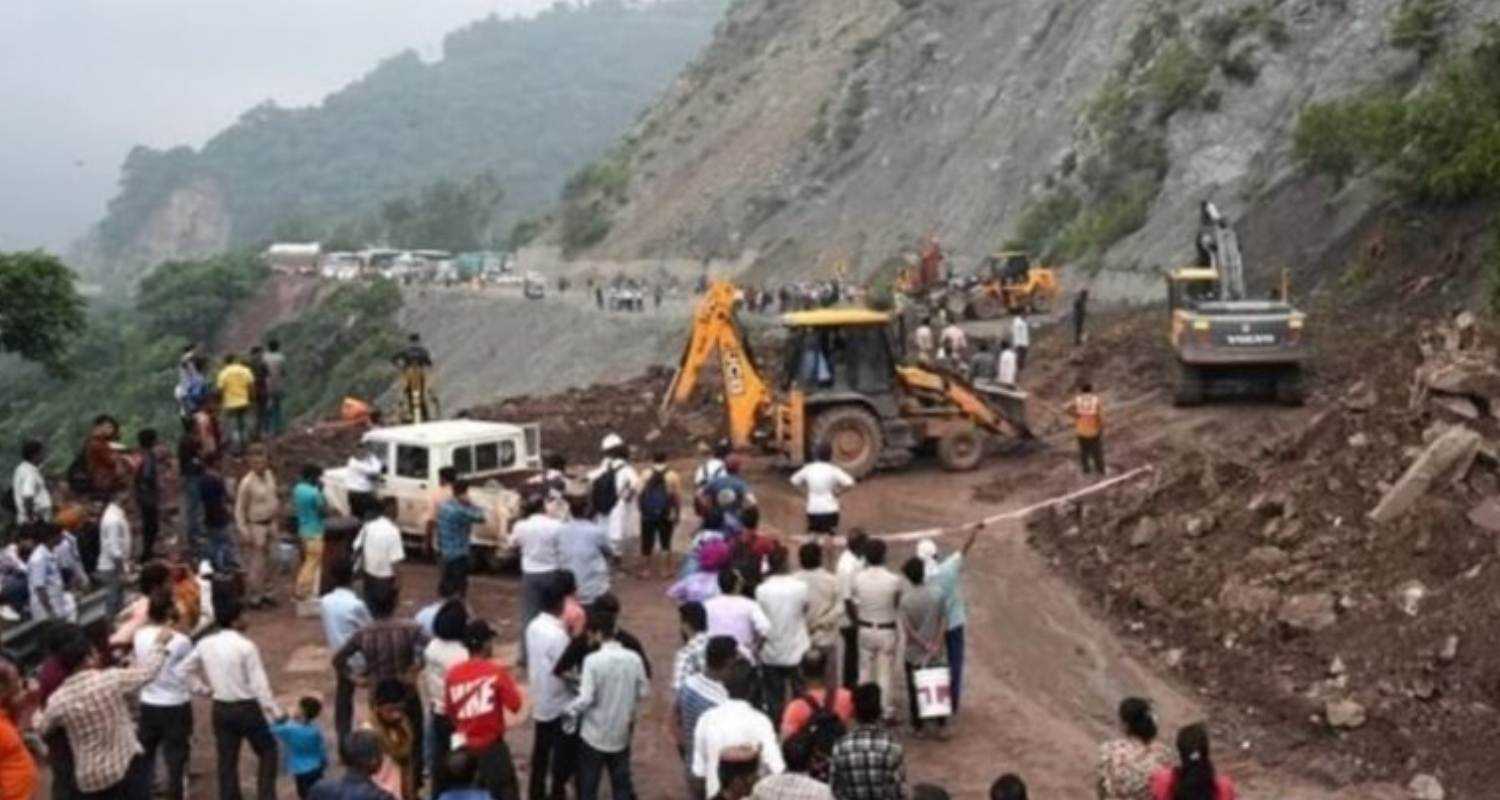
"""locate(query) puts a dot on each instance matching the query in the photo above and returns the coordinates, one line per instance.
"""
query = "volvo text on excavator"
(842, 382)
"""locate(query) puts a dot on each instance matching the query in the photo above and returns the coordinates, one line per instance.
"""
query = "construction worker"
(1020, 338)
(1087, 411)
(414, 362)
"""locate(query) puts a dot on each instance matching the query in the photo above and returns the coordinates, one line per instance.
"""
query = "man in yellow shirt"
(236, 384)
(1087, 411)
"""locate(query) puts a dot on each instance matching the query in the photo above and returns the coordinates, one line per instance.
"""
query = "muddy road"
(1044, 674)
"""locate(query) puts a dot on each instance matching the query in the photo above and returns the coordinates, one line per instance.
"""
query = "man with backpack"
(613, 488)
(818, 717)
(661, 508)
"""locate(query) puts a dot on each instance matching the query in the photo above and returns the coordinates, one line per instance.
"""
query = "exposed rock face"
(194, 221)
(825, 129)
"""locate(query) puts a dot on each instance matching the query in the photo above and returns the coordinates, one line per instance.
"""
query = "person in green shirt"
(946, 577)
(311, 508)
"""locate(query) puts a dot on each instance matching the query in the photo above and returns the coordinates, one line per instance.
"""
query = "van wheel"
(960, 450)
(854, 434)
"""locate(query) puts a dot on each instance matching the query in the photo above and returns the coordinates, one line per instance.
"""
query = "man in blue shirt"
(947, 578)
(586, 552)
(455, 519)
(343, 613)
(311, 507)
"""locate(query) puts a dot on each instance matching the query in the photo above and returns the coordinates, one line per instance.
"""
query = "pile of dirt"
(1353, 649)
(573, 422)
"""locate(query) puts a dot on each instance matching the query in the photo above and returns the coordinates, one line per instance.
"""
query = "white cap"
(611, 442)
(926, 549)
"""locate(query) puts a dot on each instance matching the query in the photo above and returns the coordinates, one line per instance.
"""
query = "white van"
(494, 457)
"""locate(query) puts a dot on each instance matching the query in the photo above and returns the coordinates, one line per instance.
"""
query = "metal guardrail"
(23, 642)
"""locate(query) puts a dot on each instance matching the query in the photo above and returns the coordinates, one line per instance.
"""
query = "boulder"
(1269, 557)
(1453, 452)
(1344, 714)
(1145, 532)
(1449, 652)
(1486, 515)
(1425, 787)
(1308, 613)
(1360, 397)
(1409, 597)
(1239, 597)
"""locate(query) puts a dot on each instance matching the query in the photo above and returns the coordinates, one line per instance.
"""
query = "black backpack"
(603, 493)
(656, 501)
(822, 731)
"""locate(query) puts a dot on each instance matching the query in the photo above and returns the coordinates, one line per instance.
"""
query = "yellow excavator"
(843, 384)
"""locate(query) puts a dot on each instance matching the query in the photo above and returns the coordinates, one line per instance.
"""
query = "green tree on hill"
(41, 312)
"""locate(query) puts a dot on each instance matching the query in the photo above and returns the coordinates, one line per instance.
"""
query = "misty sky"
(82, 81)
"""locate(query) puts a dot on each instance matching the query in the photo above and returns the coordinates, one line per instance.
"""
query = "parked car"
(494, 457)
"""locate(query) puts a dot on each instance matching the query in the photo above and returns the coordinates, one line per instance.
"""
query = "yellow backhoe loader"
(843, 384)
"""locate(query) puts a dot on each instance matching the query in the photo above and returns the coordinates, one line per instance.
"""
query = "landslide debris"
(1334, 589)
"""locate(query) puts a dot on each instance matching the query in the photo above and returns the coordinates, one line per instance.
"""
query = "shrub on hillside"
(1441, 144)
(1420, 26)
(192, 298)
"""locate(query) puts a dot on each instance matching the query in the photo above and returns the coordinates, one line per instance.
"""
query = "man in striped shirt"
(698, 693)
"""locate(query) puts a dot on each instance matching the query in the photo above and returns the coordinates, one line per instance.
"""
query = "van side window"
(507, 456)
(486, 457)
(463, 460)
(411, 462)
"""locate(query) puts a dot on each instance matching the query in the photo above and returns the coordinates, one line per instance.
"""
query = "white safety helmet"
(611, 442)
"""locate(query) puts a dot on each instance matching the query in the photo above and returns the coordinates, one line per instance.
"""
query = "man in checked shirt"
(91, 707)
(392, 649)
(868, 763)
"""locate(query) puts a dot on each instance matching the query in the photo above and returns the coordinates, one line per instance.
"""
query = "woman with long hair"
(1127, 764)
(1194, 778)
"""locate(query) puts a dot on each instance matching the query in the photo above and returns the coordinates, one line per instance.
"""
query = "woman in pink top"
(1195, 778)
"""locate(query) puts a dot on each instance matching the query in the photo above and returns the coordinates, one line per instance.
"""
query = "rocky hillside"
(526, 100)
(829, 129)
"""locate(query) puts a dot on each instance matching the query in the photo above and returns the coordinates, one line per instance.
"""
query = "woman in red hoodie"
(1194, 778)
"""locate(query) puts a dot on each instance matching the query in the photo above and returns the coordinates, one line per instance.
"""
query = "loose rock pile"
(1339, 585)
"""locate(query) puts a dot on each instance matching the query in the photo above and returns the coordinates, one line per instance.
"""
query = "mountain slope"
(528, 100)
(848, 128)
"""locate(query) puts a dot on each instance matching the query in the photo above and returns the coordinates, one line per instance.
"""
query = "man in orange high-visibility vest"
(1087, 411)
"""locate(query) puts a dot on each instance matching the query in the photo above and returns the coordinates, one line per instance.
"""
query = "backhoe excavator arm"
(922, 381)
(746, 393)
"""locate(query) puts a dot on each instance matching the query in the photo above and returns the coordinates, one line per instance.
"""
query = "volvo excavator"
(1223, 340)
(843, 383)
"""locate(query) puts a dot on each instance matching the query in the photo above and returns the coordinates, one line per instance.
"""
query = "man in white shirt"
(922, 339)
(1020, 338)
(823, 481)
(783, 598)
(877, 595)
(50, 598)
(732, 724)
(33, 501)
(712, 467)
(361, 472)
(538, 537)
(378, 550)
(851, 561)
(1007, 367)
(243, 702)
(554, 751)
(954, 343)
(114, 554)
(620, 519)
(166, 720)
(785, 602)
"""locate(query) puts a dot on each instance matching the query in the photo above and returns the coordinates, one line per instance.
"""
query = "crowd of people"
(795, 650)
